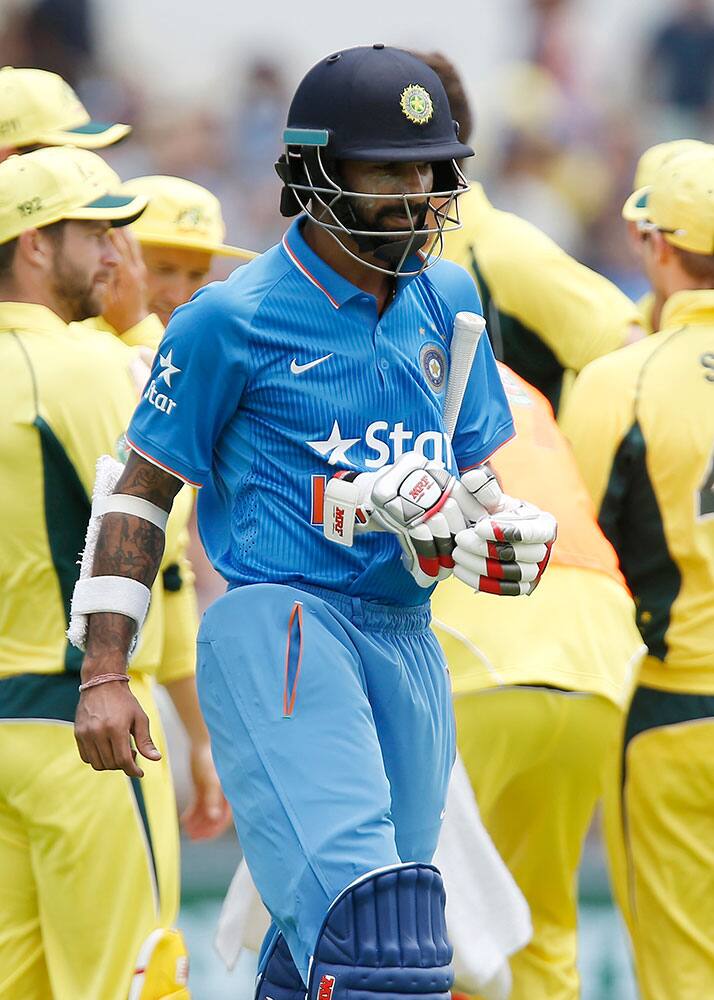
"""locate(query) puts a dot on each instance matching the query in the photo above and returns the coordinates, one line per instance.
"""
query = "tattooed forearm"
(142, 479)
(129, 546)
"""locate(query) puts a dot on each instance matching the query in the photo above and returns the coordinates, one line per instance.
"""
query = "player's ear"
(36, 248)
(662, 250)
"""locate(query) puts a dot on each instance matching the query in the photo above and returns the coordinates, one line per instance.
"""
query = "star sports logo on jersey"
(160, 400)
(386, 444)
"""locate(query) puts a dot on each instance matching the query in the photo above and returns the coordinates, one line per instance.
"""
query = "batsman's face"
(82, 261)
(173, 274)
(385, 214)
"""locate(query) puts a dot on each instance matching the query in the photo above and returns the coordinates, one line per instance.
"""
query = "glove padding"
(507, 549)
(412, 500)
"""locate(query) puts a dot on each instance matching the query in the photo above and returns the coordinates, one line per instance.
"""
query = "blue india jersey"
(269, 383)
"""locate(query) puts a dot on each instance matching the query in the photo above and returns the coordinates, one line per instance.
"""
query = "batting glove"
(410, 499)
(507, 547)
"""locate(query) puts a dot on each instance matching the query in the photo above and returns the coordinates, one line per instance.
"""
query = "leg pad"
(385, 935)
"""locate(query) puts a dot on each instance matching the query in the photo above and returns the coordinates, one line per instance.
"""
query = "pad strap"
(280, 979)
(116, 594)
(124, 503)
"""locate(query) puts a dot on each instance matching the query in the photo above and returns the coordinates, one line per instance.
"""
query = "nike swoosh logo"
(297, 369)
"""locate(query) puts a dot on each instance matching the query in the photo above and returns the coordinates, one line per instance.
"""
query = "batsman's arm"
(108, 715)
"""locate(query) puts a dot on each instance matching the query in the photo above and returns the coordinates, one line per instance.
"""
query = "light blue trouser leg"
(315, 794)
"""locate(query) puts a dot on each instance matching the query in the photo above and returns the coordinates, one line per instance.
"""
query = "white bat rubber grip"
(468, 328)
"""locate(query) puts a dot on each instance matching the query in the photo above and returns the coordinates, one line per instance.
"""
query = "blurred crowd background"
(567, 94)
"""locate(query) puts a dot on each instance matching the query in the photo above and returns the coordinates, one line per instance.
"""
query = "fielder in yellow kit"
(650, 305)
(547, 314)
(164, 257)
(539, 689)
(642, 426)
(87, 866)
(39, 108)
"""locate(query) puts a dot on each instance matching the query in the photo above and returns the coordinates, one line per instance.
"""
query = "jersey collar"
(333, 286)
(688, 307)
(30, 316)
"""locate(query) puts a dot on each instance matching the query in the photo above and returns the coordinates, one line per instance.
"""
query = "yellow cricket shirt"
(65, 402)
(641, 422)
(146, 333)
(548, 315)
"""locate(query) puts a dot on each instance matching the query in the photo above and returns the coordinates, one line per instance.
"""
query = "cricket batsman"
(304, 397)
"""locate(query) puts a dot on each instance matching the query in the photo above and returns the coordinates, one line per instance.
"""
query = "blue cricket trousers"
(332, 732)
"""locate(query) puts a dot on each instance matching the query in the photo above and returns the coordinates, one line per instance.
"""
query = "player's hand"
(507, 549)
(208, 815)
(410, 499)
(126, 301)
(108, 718)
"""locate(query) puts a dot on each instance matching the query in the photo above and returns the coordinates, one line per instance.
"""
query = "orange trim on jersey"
(160, 465)
(310, 277)
(289, 698)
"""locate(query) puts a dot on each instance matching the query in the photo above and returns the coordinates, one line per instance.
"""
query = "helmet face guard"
(312, 187)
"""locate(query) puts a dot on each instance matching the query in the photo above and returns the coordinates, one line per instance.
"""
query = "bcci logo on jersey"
(432, 361)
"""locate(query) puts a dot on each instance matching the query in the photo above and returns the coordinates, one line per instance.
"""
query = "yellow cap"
(38, 108)
(648, 165)
(680, 201)
(181, 214)
(51, 184)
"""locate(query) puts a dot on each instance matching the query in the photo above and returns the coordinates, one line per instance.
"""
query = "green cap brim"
(93, 135)
(635, 208)
(118, 209)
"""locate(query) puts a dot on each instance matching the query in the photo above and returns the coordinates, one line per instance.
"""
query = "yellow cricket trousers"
(659, 821)
(536, 759)
(88, 860)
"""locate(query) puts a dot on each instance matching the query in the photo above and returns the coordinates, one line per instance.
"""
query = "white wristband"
(116, 594)
(111, 593)
(124, 503)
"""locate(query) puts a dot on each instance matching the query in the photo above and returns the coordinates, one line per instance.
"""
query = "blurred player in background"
(87, 866)
(539, 690)
(163, 258)
(183, 230)
(547, 314)
(648, 460)
(43, 109)
(284, 393)
(650, 305)
(38, 108)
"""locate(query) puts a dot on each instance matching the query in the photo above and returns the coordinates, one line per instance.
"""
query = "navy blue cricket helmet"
(378, 104)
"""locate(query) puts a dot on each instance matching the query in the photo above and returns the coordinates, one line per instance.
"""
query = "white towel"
(486, 913)
(108, 472)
